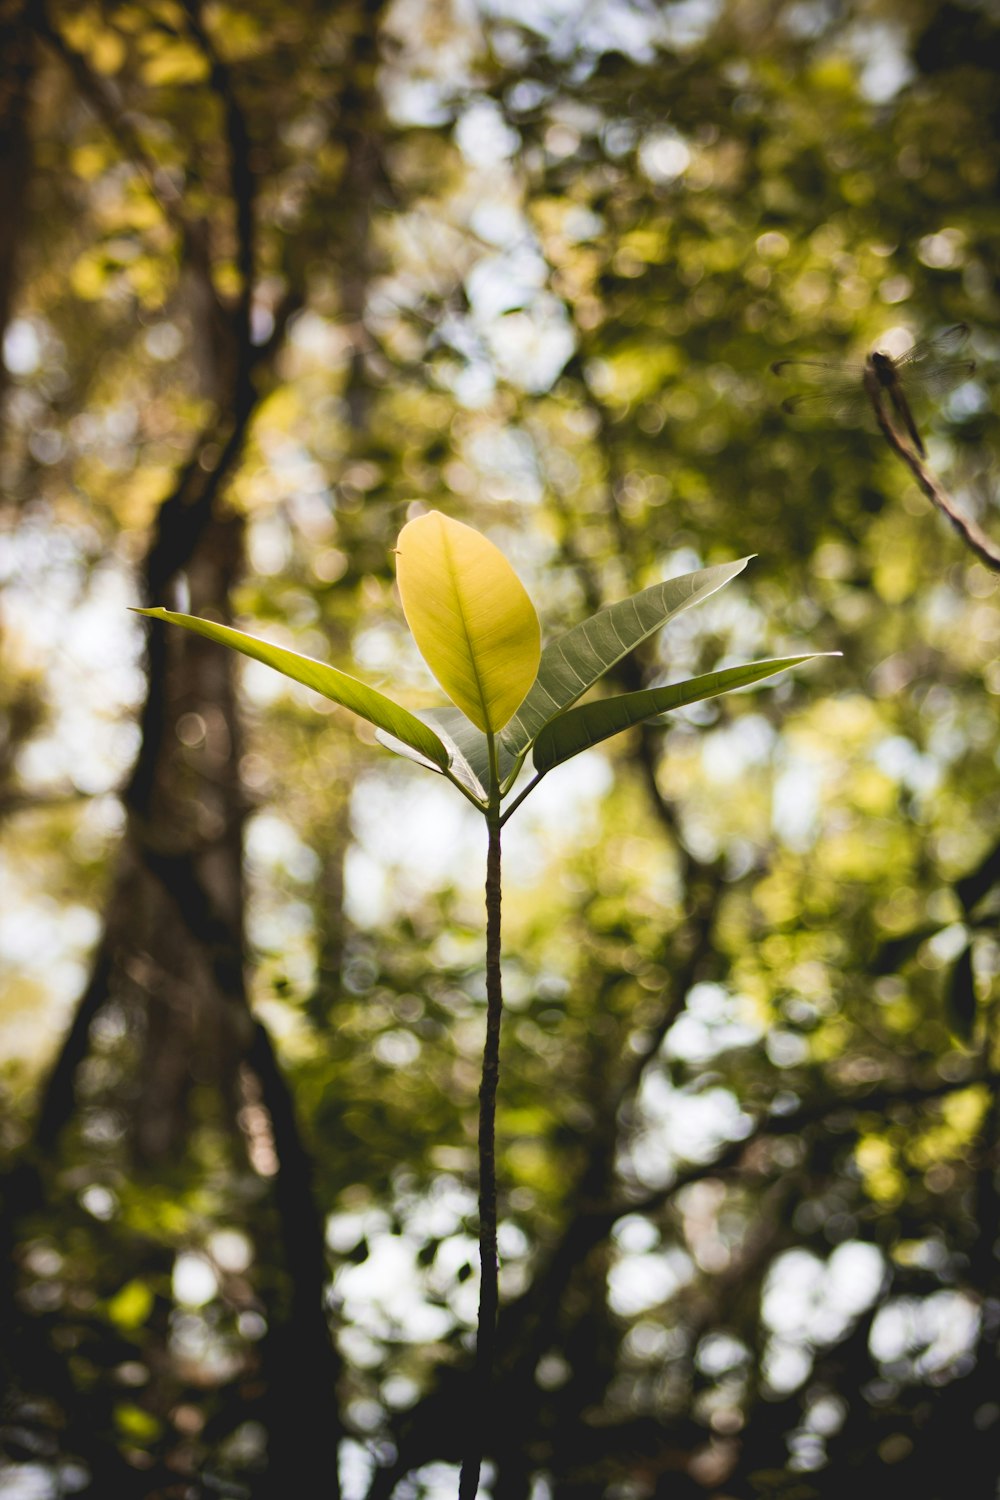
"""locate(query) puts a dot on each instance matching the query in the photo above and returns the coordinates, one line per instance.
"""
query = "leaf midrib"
(470, 652)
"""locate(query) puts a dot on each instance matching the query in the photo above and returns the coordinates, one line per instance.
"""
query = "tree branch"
(242, 185)
(101, 97)
(972, 535)
(57, 1094)
(773, 1127)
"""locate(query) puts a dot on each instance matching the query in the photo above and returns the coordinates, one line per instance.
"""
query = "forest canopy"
(276, 282)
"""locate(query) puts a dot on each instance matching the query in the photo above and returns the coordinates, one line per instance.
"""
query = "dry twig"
(973, 536)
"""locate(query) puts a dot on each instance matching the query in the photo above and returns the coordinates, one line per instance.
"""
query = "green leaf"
(338, 686)
(408, 753)
(468, 756)
(591, 723)
(468, 750)
(469, 742)
(471, 618)
(574, 662)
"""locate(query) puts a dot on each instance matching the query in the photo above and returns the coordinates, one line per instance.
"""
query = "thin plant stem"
(519, 799)
(468, 1484)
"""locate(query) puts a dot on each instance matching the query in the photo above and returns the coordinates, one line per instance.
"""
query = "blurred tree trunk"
(172, 952)
(360, 133)
(18, 50)
(17, 47)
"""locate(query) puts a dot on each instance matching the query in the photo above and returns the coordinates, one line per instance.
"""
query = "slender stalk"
(519, 799)
(468, 1484)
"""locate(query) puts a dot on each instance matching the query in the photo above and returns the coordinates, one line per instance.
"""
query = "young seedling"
(478, 632)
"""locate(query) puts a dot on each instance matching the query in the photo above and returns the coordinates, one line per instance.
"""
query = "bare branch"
(102, 99)
(973, 536)
(242, 185)
(773, 1127)
(19, 800)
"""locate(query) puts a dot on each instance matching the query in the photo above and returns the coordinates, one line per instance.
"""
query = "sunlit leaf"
(470, 742)
(575, 661)
(468, 751)
(338, 686)
(591, 723)
(470, 615)
(407, 751)
(468, 756)
(175, 63)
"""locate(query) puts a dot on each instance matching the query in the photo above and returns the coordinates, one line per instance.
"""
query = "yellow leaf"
(245, 34)
(89, 276)
(470, 615)
(90, 160)
(175, 63)
(108, 52)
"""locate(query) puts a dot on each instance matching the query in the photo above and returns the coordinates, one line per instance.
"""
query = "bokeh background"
(271, 277)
